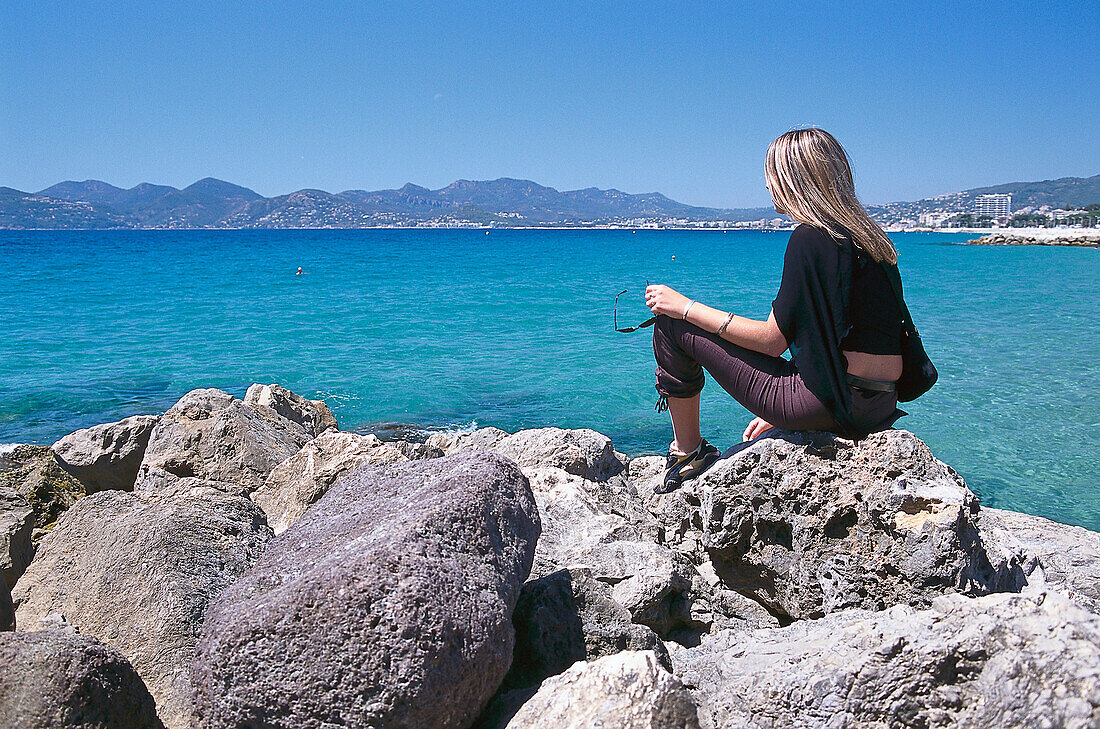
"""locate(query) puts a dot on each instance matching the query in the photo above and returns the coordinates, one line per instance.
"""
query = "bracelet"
(687, 309)
(722, 329)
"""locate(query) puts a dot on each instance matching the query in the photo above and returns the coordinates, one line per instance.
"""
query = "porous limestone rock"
(35, 474)
(299, 481)
(1048, 555)
(1006, 661)
(106, 456)
(61, 680)
(388, 603)
(16, 528)
(137, 571)
(808, 524)
(213, 437)
(313, 415)
(628, 690)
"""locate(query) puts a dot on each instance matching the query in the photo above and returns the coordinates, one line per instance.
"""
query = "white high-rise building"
(998, 207)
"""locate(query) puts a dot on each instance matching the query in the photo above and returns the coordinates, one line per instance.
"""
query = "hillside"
(1065, 193)
(212, 203)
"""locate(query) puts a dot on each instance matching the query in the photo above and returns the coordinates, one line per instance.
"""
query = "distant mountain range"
(211, 203)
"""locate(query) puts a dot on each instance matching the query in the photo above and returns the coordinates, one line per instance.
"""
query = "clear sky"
(677, 97)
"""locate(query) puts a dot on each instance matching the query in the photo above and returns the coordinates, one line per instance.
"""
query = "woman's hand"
(663, 300)
(758, 426)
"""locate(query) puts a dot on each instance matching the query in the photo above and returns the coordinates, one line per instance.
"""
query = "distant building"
(998, 207)
(935, 220)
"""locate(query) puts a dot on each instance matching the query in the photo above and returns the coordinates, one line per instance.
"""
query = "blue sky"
(681, 98)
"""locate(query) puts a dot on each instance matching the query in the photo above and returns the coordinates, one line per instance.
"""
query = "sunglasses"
(627, 330)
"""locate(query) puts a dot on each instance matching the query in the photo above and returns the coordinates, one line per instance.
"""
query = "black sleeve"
(794, 297)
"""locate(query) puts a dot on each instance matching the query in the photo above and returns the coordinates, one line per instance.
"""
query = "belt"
(876, 385)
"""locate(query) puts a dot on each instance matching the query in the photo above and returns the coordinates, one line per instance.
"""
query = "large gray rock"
(627, 691)
(1047, 554)
(313, 415)
(1000, 661)
(213, 437)
(137, 571)
(106, 456)
(808, 524)
(58, 680)
(16, 529)
(387, 604)
(299, 481)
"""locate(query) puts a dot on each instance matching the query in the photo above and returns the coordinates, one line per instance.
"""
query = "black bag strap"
(894, 277)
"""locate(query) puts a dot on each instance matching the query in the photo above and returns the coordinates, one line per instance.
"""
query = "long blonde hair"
(811, 180)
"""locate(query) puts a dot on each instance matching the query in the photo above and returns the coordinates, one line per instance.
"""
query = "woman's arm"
(759, 336)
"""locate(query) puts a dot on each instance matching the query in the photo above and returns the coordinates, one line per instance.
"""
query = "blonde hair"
(811, 180)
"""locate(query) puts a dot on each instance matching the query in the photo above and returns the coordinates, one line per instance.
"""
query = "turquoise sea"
(451, 328)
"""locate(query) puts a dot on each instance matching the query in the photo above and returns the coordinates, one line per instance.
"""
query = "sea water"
(400, 329)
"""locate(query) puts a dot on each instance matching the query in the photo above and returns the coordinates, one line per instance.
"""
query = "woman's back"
(873, 310)
(873, 344)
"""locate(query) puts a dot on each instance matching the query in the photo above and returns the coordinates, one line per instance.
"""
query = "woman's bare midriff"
(885, 367)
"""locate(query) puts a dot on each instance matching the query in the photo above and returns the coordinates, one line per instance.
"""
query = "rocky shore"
(1040, 237)
(244, 563)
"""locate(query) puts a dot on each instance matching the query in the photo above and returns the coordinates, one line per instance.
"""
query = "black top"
(817, 309)
(873, 309)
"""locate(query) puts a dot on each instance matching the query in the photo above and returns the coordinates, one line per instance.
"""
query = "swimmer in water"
(299, 272)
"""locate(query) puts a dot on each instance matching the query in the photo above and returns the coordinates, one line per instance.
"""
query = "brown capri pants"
(768, 387)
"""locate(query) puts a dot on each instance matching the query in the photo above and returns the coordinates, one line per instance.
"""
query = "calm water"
(513, 329)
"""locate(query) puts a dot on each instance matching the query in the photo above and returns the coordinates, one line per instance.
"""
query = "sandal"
(686, 467)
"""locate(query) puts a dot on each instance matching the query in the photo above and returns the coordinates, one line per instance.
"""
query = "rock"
(16, 528)
(415, 451)
(449, 442)
(299, 481)
(387, 604)
(503, 707)
(998, 661)
(656, 586)
(47, 488)
(6, 451)
(137, 571)
(574, 520)
(7, 609)
(570, 616)
(1047, 554)
(313, 415)
(583, 452)
(809, 524)
(644, 473)
(106, 456)
(626, 691)
(211, 436)
(69, 681)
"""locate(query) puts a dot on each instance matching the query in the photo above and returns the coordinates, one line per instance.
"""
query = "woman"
(835, 311)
